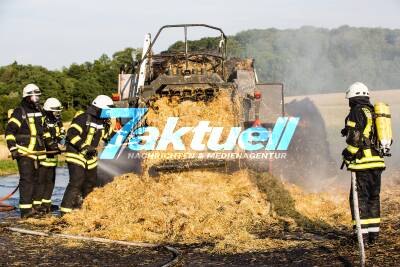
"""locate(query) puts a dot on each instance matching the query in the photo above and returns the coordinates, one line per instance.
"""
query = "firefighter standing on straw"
(24, 135)
(362, 156)
(86, 131)
(54, 135)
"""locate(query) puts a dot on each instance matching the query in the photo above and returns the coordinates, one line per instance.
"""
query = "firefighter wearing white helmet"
(54, 136)
(31, 90)
(25, 140)
(103, 102)
(86, 131)
(357, 89)
(362, 157)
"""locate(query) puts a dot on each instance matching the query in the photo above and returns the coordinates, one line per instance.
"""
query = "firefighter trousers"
(368, 189)
(29, 172)
(81, 182)
(45, 187)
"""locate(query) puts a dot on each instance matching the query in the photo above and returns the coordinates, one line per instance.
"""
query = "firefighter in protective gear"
(24, 136)
(54, 135)
(86, 131)
(362, 157)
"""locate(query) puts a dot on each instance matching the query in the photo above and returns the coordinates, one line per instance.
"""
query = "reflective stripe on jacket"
(361, 138)
(24, 132)
(54, 133)
(86, 129)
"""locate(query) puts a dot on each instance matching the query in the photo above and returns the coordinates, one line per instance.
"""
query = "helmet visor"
(35, 92)
(55, 109)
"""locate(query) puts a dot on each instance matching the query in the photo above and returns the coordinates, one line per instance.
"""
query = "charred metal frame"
(148, 55)
(185, 26)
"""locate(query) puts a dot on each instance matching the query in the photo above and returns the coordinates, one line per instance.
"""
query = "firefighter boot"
(373, 238)
(27, 213)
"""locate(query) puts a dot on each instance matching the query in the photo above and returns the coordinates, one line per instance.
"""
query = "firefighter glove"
(15, 154)
(89, 151)
(53, 147)
(344, 132)
(347, 155)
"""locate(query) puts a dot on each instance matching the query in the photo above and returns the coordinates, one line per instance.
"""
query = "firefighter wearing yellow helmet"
(86, 131)
(362, 156)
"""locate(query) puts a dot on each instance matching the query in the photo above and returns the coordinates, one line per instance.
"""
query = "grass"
(8, 167)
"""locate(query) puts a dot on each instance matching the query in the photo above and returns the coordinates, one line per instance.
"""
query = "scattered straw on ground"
(199, 206)
(195, 208)
(329, 208)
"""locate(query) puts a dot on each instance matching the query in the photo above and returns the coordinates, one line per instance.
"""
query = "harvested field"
(225, 209)
(334, 108)
(295, 236)
(215, 218)
(188, 208)
(233, 213)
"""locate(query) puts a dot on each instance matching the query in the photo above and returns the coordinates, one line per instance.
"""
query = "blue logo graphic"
(149, 138)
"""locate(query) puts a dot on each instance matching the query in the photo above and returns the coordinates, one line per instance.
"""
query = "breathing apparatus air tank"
(383, 127)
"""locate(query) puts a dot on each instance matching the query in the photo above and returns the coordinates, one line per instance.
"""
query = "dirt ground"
(312, 249)
(22, 250)
(308, 247)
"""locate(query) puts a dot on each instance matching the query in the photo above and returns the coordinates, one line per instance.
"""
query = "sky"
(56, 33)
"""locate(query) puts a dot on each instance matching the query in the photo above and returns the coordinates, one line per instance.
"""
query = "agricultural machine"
(192, 75)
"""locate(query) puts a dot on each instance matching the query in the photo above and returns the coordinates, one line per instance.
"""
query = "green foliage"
(306, 60)
(7, 102)
(8, 167)
(68, 114)
(315, 60)
(75, 86)
(209, 43)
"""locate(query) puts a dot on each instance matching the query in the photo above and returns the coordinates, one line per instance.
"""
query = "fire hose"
(357, 218)
(5, 207)
(173, 250)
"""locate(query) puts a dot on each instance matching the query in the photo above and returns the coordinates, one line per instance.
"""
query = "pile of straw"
(225, 209)
(222, 111)
(190, 207)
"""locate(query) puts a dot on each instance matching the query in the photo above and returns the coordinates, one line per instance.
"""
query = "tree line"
(75, 86)
(307, 60)
(313, 60)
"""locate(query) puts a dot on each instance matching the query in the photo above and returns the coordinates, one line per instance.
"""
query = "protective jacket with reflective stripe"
(361, 137)
(54, 133)
(24, 131)
(87, 128)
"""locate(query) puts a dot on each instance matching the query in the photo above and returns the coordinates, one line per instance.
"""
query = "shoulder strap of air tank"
(358, 109)
(88, 122)
(369, 138)
(24, 115)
